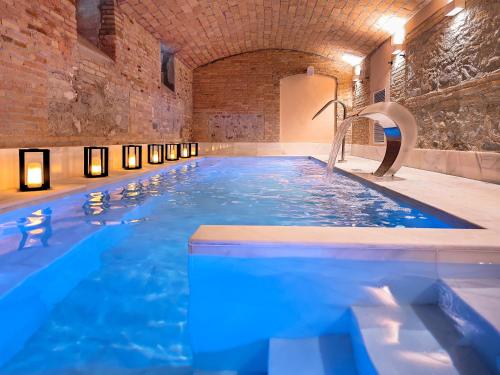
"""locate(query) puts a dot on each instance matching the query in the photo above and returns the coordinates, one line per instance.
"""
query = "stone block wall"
(57, 88)
(237, 99)
(450, 79)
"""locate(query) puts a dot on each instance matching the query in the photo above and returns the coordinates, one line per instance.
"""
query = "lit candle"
(184, 152)
(131, 161)
(193, 151)
(155, 157)
(95, 169)
(34, 177)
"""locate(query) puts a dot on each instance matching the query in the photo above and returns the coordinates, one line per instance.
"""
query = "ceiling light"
(391, 24)
(455, 7)
(352, 59)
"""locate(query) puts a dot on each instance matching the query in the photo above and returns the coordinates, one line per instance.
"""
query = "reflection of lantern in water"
(193, 148)
(172, 151)
(95, 161)
(185, 153)
(36, 226)
(34, 169)
(132, 156)
(155, 154)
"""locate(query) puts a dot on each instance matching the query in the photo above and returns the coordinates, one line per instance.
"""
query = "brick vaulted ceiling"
(201, 31)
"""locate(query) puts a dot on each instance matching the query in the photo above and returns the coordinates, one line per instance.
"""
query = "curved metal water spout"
(400, 129)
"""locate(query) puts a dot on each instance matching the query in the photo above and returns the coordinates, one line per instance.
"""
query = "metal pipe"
(342, 155)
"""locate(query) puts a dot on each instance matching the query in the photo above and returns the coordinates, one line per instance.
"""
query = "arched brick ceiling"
(201, 31)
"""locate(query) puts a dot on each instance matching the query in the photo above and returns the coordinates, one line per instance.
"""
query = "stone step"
(311, 356)
(474, 306)
(416, 340)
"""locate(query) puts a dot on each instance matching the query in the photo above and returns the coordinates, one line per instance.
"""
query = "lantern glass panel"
(132, 157)
(172, 151)
(34, 169)
(185, 152)
(95, 161)
(155, 154)
(193, 149)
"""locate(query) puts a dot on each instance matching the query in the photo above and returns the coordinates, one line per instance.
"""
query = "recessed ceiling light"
(352, 59)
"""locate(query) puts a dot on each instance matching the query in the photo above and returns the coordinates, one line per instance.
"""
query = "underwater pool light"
(34, 169)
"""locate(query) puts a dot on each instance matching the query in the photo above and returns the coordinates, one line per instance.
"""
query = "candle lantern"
(193, 147)
(34, 169)
(185, 152)
(95, 161)
(132, 156)
(155, 154)
(172, 151)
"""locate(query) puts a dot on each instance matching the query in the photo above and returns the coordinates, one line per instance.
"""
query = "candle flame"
(132, 161)
(34, 177)
(95, 169)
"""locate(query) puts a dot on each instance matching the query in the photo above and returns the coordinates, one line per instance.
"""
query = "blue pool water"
(129, 311)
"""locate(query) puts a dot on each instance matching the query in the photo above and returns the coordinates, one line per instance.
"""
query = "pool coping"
(480, 246)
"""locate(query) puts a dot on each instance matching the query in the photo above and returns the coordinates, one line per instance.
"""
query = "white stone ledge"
(482, 166)
(374, 244)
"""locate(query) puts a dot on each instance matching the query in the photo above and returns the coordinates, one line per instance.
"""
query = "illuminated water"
(130, 311)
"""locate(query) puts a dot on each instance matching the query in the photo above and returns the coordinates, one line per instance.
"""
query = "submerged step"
(474, 305)
(411, 340)
(311, 356)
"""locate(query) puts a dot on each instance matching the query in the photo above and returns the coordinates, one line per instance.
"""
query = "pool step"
(419, 340)
(311, 356)
(474, 305)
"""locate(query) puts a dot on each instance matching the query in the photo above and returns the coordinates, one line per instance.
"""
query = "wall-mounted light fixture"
(193, 148)
(132, 156)
(34, 169)
(356, 73)
(397, 41)
(172, 151)
(454, 7)
(155, 154)
(352, 60)
(95, 161)
(185, 150)
(396, 27)
(355, 62)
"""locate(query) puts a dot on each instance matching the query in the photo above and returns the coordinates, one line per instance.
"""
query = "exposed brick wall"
(56, 89)
(238, 98)
(450, 79)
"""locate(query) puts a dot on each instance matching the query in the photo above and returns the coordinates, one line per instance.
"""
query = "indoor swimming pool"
(119, 299)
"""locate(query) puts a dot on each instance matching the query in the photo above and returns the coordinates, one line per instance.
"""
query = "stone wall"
(450, 79)
(237, 99)
(360, 99)
(56, 88)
